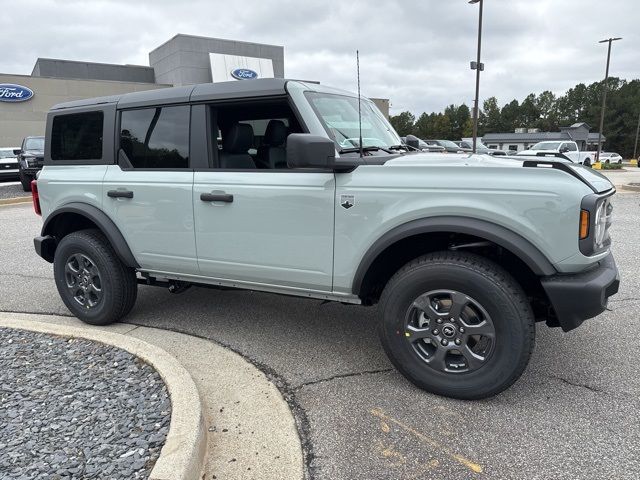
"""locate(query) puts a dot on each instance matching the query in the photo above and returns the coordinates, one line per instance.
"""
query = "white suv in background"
(8, 164)
(610, 157)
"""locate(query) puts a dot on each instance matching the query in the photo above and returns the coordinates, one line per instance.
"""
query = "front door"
(256, 221)
(149, 194)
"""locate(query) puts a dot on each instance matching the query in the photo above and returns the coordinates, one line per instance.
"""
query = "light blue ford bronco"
(282, 186)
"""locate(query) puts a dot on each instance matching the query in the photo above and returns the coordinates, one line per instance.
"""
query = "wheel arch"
(439, 230)
(78, 216)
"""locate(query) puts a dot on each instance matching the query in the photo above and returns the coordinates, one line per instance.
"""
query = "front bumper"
(580, 296)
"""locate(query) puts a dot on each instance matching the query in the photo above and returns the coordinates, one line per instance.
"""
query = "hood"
(595, 180)
(35, 153)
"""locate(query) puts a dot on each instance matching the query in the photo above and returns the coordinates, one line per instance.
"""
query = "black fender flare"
(101, 220)
(492, 232)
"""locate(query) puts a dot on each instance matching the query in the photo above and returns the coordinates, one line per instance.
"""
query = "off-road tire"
(118, 282)
(492, 287)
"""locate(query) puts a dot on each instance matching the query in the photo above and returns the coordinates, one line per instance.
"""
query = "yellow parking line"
(14, 201)
(474, 467)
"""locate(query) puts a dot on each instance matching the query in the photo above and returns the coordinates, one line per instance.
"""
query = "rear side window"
(77, 136)
(156, 137)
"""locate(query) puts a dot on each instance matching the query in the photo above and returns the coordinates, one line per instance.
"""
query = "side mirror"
(413, 141)
(17, 151)
(310, 151)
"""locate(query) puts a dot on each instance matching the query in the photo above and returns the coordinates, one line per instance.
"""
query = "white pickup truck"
(567, 148)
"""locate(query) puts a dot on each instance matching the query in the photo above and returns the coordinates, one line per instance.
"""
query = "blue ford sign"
(14, 93)
(243, 74)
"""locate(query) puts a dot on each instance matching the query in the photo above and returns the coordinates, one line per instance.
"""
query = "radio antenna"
(359, 105)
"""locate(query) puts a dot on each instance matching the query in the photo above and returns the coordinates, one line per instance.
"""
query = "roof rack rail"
(558, 166)
(553, 154)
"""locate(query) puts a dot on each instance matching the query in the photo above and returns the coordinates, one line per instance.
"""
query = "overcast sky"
(415, 52)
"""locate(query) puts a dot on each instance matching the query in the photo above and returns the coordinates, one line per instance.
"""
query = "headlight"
(595, 220)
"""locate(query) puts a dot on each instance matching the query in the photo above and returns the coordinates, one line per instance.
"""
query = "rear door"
(148, 193)
(272, 226)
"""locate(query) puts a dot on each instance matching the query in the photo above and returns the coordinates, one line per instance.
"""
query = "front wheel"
(25, 180)
(92, 281)
(457, 325)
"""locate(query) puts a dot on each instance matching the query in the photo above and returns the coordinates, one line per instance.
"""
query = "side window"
(572, 147)
(252, 135)
(156, 137)
(77, 136)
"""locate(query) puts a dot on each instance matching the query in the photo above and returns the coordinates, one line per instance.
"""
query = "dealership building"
(182, 60)
(524, 138)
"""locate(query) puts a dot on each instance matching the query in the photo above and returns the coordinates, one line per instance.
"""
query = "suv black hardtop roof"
(263, 87)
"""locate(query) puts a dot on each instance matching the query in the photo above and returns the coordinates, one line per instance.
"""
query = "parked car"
(480, 148)
(8, 164)
(136, 189)
(610, 157)
(568, 149)
(30, 159)
(417, 144)
(449, 146)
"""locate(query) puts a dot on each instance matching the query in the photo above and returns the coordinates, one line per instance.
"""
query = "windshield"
(546, 146)
(339, 116)
(448, 144)
(6, 153)
(36, 143)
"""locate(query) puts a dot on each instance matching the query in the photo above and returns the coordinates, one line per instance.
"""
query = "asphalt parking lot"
(573, 414)
(11, 189)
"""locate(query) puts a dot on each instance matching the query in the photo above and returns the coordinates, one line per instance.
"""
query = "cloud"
(416, 52)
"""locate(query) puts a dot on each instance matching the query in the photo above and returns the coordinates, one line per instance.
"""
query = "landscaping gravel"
(72, 408)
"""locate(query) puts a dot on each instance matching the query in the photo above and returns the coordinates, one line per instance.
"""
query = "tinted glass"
(76, 136)
(156, 137)
(572, 147)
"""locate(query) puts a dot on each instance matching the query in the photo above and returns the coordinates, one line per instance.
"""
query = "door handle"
(216, 197)
(120, 194)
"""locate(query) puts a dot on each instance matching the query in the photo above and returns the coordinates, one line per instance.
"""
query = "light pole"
(478, 67)
(604, 94)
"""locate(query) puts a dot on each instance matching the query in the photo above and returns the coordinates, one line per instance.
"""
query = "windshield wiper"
(364, 149)
(399, 147)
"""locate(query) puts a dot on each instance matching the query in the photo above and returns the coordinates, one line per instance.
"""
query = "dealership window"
(513, 148)
(252, 135)
(155, 137)
(77, 136)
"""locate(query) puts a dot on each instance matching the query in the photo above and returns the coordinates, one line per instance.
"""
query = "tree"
(491, 118)
(510, 116)
(403, 123)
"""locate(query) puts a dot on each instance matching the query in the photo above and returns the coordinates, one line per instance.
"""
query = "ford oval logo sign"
(243, 74)
(14, 93)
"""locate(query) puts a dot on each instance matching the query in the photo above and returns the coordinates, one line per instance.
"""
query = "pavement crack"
(343, 375)
(577, 384)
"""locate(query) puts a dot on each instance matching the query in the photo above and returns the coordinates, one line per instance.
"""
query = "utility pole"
(604, 93)
(635, 148)
(478, 67)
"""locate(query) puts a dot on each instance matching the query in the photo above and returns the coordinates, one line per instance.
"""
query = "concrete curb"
(15, 200)
(630, 188)
(183, 455)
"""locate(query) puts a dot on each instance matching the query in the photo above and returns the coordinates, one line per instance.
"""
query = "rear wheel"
(587, 162)
(457, 325)
(91, 280)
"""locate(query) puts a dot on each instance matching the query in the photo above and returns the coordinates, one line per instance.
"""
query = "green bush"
(611, 166)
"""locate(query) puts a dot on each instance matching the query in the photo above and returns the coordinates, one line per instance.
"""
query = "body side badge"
(347, 201)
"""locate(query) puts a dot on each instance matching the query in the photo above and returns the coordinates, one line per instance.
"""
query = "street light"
(478, 67)
(604, 93)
